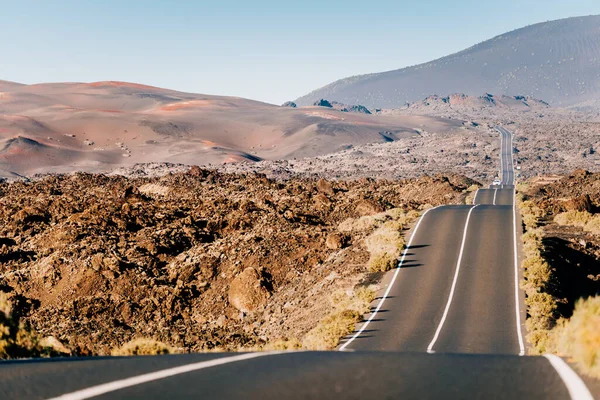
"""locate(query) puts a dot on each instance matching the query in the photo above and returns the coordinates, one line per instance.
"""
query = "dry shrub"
(348, 310)
(589, 222)
(593, 225)
(579, 337)
(16, 339)
(281, 345)
(575, 218)
(536, 271)
(359, 300)
(326, 335)
(385, 243)
(529, 212)
(382, 262)
(385, 246)
(142, 347)
(370, 222)
(532, 242)
(361, 224)
(541, 306)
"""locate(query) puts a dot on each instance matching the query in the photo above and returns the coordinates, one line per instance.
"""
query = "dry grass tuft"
(16, 339)
(529, 212)
(327, 334)
(579, 337)
(385, 246)
(142, 347)
(348, 310)
(385, 243)
(589, 222)
(282, 345)
(541, 306)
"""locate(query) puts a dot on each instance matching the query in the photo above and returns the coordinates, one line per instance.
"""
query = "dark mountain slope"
(557, 61)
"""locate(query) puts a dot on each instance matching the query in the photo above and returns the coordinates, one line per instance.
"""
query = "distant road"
(448, 325)
(457, 288)
(506, 157)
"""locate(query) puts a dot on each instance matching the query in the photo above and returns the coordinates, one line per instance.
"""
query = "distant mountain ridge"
(557, 61)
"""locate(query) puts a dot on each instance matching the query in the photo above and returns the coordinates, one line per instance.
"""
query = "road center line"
(109, 387)
(387, 292)
(576, 387)
(460, 255)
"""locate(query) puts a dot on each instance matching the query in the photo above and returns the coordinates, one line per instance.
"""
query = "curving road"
(448, 324)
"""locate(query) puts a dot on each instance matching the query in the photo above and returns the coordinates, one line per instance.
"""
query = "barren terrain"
(556, 61)
(199, 260)
(66, 127)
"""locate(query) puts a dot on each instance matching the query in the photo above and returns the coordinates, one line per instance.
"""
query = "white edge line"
(475, 198)
(109, 387)
(495, 193)
(389, 288)
(575, 385)
(517, 311)
(460, 255)
(501, 158)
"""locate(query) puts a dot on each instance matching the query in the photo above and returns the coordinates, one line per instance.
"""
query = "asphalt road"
(448, 324)
(314, 375)
(506, 157)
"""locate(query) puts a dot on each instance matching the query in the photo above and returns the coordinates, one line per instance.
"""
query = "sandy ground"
(65, 127)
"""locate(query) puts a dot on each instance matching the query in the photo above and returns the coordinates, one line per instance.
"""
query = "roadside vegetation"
(579, 336)
(348, 310)
(471, 193)
(563, 306)
(143, 347)
(16, 339)
(537, 273)
(386, 242)
(584, 219)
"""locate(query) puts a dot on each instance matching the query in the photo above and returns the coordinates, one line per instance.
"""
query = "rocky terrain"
(199, 260)
(547, 141)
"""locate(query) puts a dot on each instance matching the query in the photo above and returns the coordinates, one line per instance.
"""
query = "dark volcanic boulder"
(323, 103)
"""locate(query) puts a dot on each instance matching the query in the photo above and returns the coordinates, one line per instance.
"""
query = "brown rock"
(581, 203)
(368, 207)
(325, 187)
(335, 241)
(322, 200)
(246, 292)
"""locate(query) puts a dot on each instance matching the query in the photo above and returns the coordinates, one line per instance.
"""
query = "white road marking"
(501, 158)
(475, 198)
(387, 292)
(517, 311)
(460, 255)
(495, 193)
(154, 376)
(576, 387)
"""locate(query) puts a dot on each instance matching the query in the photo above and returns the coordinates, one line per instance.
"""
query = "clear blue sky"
(266, 50)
